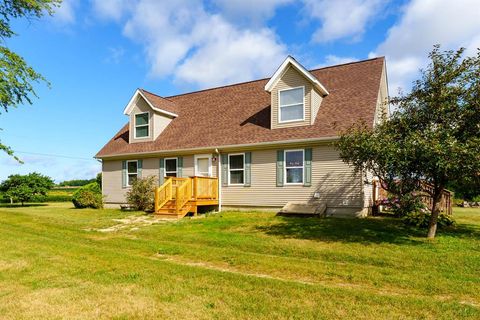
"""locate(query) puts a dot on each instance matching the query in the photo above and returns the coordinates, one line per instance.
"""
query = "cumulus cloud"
(249, 11)
(112, 9)
(198, 47)
(331, 60)
(452, 24)
(65, 14)
(342, 19)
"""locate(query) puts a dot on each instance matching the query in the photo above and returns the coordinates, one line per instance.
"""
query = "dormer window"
(291, 104)
(142, 125)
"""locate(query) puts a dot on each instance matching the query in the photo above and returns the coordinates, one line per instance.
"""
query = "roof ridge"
(263, 79)
(156, 95)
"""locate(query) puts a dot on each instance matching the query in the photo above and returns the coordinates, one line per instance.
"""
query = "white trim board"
(290, 61)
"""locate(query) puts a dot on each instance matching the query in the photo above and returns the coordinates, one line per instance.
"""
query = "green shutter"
(161, 171)
(280, 164)
(180, 167)
(139, 168)
(124, 174)
(224, 170)
(307, 181)
(248, 169)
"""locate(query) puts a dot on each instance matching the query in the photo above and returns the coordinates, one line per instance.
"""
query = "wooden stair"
(168, 210)
(189, 192)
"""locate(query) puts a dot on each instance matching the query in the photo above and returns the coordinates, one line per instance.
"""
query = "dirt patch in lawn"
(133, 223)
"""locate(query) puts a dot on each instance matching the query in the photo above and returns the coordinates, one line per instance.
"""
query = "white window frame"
(141, 125)
(128, 173)
(289, 105)
(165, 166)
(236, 154)
(209, 156)
(296, 167)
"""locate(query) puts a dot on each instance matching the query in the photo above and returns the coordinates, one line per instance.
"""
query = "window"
(203, 165)
(171, 169)
(291, 104)
(294, 166)
(236, 169)
(132, 172)
(142, 125)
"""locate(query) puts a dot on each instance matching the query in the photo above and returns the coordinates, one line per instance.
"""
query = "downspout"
(219, 175)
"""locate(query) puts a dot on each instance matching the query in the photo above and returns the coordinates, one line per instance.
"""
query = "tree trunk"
(432, 225)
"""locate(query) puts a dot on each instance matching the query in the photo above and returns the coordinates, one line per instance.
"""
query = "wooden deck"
(177, 197)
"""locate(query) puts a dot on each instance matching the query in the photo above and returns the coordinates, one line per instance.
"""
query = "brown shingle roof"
(240, 113)
(160, 102)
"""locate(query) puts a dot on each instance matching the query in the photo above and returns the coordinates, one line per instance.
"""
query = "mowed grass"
(55, 263)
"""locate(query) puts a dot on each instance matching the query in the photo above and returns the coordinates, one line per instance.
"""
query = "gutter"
(220, 147)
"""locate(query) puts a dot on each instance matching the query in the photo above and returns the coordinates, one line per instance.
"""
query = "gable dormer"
(149, 115)
(296, 95)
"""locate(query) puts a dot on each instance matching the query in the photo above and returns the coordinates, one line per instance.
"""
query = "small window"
(291, 104)
(142, 125)
(294, 166)
(236, 164)
(171, 169)
(203, 165)
(132, 172)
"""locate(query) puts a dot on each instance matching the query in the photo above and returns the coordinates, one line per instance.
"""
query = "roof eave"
(131, 104)
(290, 61)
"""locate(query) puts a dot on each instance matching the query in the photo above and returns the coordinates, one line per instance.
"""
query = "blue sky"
(95, 53)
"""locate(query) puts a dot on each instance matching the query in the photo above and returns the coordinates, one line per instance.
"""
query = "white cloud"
(424, 23)
(250, 11)
(331, 60)
(65, 14)
(342, 19)
(198, 47)
(112, 9)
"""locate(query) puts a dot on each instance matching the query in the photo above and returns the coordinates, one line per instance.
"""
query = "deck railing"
(183, 190)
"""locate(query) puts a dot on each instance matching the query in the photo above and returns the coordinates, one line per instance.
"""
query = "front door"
(203, 165)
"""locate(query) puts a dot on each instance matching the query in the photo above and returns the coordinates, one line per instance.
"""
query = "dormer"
(149, 115)
(296, 95)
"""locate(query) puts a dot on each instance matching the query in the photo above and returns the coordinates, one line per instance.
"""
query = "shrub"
(88, 196)
(422, 217)
(142, 195)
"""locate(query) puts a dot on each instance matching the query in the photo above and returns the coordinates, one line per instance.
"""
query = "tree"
(16, 76)
(24, 188)
(432, 137)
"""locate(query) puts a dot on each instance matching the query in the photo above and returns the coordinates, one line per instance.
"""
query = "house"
(259, 144)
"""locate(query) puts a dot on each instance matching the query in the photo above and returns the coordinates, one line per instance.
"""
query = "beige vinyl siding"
(332, 178)
(316, 102)
(382, 108)
(157, 122)
(291, 79)
(112, 175)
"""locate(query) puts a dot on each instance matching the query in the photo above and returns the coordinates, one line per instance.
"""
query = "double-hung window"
(294, 166)
(132, 171)
(142, 125)
(236, 169)
(171, 168)
(291, 104)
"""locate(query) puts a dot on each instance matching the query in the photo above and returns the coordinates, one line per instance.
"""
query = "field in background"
(59, 262)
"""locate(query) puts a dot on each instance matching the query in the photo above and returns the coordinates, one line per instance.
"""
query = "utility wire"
(54, 155)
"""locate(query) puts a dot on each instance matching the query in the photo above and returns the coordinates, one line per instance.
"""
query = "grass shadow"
(18, 205)
(368, 230)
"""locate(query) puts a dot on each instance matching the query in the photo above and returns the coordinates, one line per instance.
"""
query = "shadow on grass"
(18, 205)
(369, 230)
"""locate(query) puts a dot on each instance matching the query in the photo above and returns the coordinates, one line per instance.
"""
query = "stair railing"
(163, 194)
(183, 195)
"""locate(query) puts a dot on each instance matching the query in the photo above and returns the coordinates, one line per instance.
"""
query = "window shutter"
(139, 168)
(180, 167)
(248, 169)
(224, 170)
(280, 164)
(124, 174)
(161, 171)
(307, 181)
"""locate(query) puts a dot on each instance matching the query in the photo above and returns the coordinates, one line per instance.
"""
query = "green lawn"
(55, 263)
